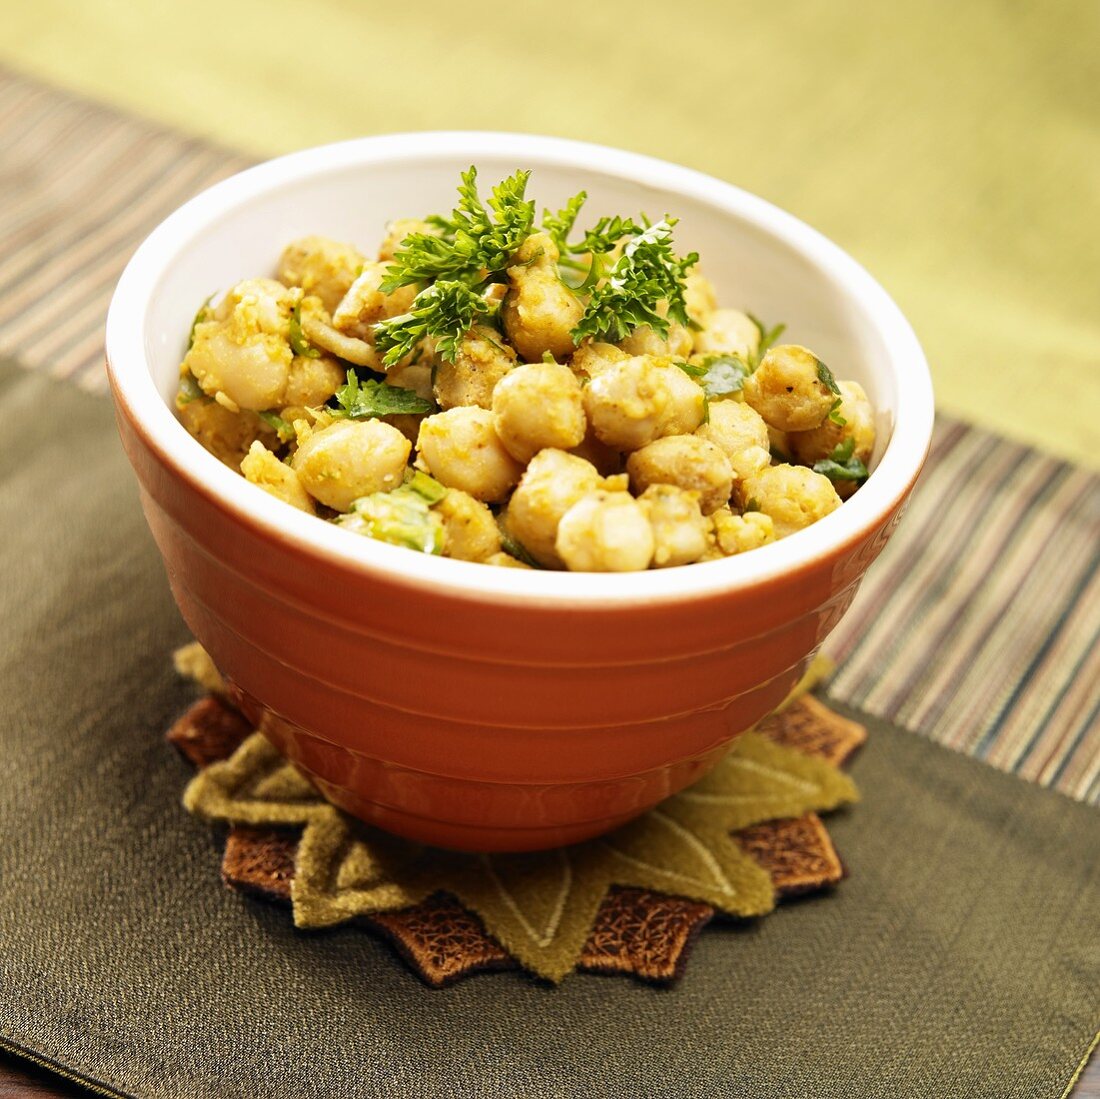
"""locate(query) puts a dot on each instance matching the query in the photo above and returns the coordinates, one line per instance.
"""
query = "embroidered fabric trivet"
(733, 845)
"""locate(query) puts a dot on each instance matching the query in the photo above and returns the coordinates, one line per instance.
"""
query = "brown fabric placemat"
(961, 958)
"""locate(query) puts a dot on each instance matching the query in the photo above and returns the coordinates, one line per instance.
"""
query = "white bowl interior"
(751, 268)
(759, 258)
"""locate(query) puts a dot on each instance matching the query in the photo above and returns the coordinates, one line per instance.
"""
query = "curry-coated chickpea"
(741, 434)
(276, 478)
(741, 533)
(793, 496)
(594, 357)
(641, 399)
(859, 426)
(481, 361)
(320, 266)
(727, 331)
(349, 459)
(693, 464)
(680, 530)
(461, 450)
(644, 340)
(700, 297)
(311, 381)
(364, 305)
(605, 532)
(241, 357)
(788, 389)
(470, 532)
(540, 311)
(538, 405)
(552, 483)
(227, 435)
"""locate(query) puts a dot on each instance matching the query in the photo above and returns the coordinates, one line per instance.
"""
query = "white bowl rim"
(133, 384)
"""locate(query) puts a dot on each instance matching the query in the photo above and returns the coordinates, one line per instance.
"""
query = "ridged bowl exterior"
(478, 726)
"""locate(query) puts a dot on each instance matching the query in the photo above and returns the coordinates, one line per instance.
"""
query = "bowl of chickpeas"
(477, 474)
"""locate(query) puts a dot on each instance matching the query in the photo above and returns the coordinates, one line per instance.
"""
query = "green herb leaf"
(284, 430)
(560, 225)
(477, 240)
(842, 465)
(370, 399)
(721, 375)
(834, 414)
(189, 390)
(202, 315)
(768, 336)
(646, 274)
(445, 311)
(752, 505)
(825, 376)
(514, 549)
(429, 488)
(298, 343)
(402, 518)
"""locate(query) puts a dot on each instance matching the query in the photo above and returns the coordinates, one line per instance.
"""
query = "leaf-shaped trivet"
(540, 907)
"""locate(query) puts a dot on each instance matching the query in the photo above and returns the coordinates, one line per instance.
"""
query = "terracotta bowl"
(486, 708)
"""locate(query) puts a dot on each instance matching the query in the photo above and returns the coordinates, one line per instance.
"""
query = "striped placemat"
(978, 627)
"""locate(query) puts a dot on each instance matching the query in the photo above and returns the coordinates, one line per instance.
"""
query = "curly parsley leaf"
(476, 240)
(834, 414)
(277, 424)
(369, 399)
(445, 311)
(298, 343)
(842, 465)
(825, 376)
(646, 274)
(560, 225)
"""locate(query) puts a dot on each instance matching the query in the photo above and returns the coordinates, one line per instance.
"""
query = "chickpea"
(481, 361)
(680, 532)
(741, 434)
(312, 381)
(227, 435)
(540, 311)
(461, 450)
(787, 390)
(793, 496)
(859, 426)
(506, 560)
(553, 483)
(605, 532)
(276, 478)
(317, 328)
(606, 459)
(779, 443)
(741, 533)
(648, 341)
(364, 305)
(686, 461)
(242, 356)
(536, 406)
(320, 266)
(728, 331)
(470, 531)
(641, 399)
(593, 358)
(700, 298)
(349, 459)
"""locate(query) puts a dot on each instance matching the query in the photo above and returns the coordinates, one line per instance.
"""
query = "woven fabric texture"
(960, 958)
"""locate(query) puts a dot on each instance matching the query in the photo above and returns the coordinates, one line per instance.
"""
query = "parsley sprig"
(445, 312)
(719, 375)
(842, 465)
(370, 399)
(477, 240)
(646, 274)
